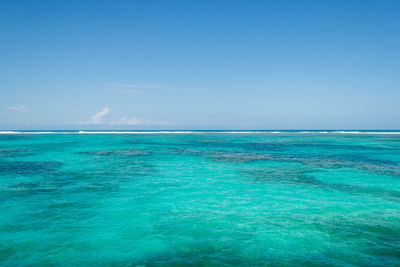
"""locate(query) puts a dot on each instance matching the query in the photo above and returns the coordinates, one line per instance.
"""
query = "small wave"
(240, 132)
(34, 132)
(9, 132)
(311, 132)
(365, 132)
(136, 132)
(29, 132)
(379, 133)
(347, 132)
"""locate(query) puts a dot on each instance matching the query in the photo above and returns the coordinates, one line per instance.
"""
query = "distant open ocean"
(205, 198)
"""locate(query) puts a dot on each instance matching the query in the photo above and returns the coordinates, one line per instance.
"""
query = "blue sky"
(200, 64)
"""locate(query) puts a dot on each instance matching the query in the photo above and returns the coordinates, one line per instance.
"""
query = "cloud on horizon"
(18, 108)
(98, 118)
(125, 120)
(128, 121)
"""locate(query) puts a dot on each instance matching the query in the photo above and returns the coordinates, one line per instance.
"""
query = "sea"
(200, 198)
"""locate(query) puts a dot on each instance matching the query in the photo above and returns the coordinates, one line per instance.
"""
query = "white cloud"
(137, 121)
(129, 121)
(98, 117)
(18, 108)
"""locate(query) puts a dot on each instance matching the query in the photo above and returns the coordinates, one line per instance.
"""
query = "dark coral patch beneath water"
(126, 152)
(355, 160)
(15, 153)
(28, 167)
(287, 145)
(300, 176)
(223, 156)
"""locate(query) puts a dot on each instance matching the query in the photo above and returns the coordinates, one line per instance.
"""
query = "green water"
(206, 199)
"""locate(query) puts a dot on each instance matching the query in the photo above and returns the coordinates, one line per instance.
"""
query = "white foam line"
(378, 133)
(22, 132)
(177, 132)
(200, 132)
(135, 132)
(9, 132)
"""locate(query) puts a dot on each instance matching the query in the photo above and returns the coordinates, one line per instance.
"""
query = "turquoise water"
(206, 199)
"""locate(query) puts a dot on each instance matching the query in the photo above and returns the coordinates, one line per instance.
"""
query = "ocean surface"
(204, 198)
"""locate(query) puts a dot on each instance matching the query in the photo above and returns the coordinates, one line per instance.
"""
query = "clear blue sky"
(200, 64)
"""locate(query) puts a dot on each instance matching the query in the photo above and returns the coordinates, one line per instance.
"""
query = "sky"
(200, 64)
